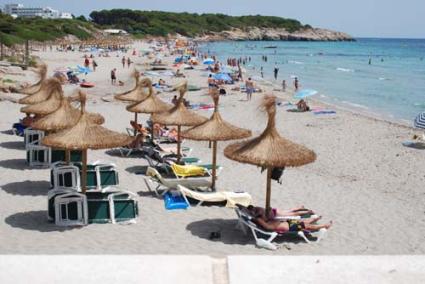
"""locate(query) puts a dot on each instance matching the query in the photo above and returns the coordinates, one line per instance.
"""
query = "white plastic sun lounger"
(231, 198)
(155, 181)
(245, 221)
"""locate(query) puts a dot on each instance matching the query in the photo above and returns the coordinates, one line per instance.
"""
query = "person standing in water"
(275, 71)
(128, 62)
(296, 84)
(261, 71)
(283, 86)
(370, 61)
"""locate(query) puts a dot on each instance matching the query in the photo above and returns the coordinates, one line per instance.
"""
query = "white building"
(18, 10)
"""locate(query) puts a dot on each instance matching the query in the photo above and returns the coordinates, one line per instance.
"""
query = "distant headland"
(139, 24)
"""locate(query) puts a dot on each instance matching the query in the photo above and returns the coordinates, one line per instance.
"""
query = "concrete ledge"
(326, 269)
(105, 269)
(148, 269)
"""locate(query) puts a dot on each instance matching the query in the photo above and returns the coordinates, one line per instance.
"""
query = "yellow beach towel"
(187, 171)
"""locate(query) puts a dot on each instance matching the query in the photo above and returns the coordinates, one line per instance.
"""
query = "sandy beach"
(363, 179)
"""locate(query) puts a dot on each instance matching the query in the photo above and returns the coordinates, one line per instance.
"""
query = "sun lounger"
(156, 181)
(229, 198)
(245, 220)
(100, 176)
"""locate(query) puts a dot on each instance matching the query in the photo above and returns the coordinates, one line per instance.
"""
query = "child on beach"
(113, 76)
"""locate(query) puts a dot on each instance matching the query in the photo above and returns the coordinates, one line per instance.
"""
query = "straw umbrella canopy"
(270, 150)
(136, 94)
(215, 129)
(152, 104)
(180, 116)
(54, 95)
(41, 95)
(42, 73)
(83, 136)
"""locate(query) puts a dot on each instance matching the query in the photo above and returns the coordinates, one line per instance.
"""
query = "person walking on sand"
(94, 64)
(275, 71)
(128, 62)
(86, 62)
(283, 86)
(296, 84)
(123, 62)
(249, 85)
(114, 76)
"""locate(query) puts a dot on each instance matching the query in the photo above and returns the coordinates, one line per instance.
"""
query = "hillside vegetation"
(15, 31)
(164, 23)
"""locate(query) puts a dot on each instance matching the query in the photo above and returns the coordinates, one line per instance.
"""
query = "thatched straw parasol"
(152, 104)
(270, 150)
(41, 95)
(41, 71)
(180, 116)
(215, 129)
(85, 135)
(136, 94)
(54, 93)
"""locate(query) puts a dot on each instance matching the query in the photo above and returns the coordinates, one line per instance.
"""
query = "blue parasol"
(223, 77)
(305, 93)
(208, 61)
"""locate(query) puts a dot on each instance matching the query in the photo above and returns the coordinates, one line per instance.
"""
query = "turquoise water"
(392, 86)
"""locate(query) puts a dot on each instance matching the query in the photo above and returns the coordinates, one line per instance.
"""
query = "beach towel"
(231, 198)
(324, 112)
(414, 145)
(188, 170)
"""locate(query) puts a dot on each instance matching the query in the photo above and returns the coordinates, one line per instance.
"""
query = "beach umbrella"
(152, 104)
(136, 94)
(54, 91)
(223, 77)
(420, 120)
(180, 116)
(41, 95)
(64, 117)
(85, 135)
(208, 61)
(41, 71)
(302, 94)
(270, 150)
(215, 129)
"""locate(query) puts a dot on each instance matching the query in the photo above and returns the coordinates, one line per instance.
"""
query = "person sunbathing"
(291, 225)
(137, 142)
(138, 127)
(276, 213)
(302, 106)
(162, 131)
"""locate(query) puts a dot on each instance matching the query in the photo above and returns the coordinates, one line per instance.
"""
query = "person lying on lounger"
(138, 127)
(302, 106)
(162, 131)
(291, 225)
(137, 142)
(276, 213)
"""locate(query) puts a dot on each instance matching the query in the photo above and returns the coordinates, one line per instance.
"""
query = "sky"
(359, 18)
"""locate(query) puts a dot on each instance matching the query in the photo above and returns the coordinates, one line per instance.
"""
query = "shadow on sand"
(35, 221)
(7, 132)
(18, 164)
(227, 230)
(13, 145)
(230, 234)
(27, 188)
(138, 170)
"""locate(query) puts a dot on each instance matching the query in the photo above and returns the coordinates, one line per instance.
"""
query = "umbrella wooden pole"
(67, 156)
(84, 172)
(135, 119)
(214, 163)
(178, 143)
(269, 190)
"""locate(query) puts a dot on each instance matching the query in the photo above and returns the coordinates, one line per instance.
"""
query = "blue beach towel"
(174, 200)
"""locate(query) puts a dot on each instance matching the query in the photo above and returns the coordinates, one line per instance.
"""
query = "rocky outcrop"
(254, 33)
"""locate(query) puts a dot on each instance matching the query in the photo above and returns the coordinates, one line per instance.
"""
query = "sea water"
(392, 85)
